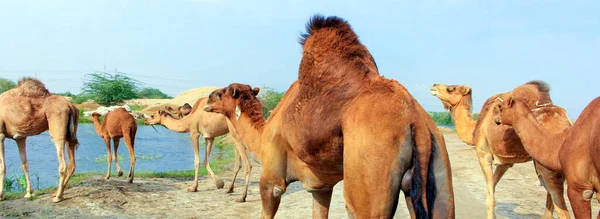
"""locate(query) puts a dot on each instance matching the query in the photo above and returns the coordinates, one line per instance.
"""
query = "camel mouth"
(433, 91)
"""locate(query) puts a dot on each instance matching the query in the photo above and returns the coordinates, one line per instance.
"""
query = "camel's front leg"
(580, 197)
(195, 137)
(554, 184)
(247, 170)
(237, 166)
(218, 182)
(485, 162)
(25, 165)
(2, 163)
(272, 180)
(108, 157)
(321, 201)
(115, 156)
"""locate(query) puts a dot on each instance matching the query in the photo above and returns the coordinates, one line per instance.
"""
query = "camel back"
(31, 87)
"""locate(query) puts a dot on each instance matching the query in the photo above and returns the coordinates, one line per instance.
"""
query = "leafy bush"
(6, 84)
(269, 98)
(152, 93)
(107, 89)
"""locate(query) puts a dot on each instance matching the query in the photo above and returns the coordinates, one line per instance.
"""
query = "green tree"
(152, 93)
(269, 98)
(6, 84)
(108, 89)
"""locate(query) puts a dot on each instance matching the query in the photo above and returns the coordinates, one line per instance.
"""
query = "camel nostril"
(435, 85)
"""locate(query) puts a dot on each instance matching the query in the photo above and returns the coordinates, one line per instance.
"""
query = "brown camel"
(181, 111)
(574, 152)
(117, 124)
(499, 145)
(29, 109)
(210, 126)
(342, 121)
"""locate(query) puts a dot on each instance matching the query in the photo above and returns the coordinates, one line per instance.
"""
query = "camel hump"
(541, 85)
(318, 22)
(31, 87)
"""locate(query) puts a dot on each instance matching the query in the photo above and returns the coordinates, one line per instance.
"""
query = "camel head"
(185, 109)
(228, 101)
(509, 110)
(96, 115)
(156, 117)
(450, 95)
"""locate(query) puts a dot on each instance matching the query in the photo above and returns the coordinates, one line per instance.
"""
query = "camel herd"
(342, 120)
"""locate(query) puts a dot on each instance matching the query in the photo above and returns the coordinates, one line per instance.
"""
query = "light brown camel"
(210, 126)
(342, 120)
(574, 152)
(29, 109)
(117, 124)
(181, 111)
(499, 145)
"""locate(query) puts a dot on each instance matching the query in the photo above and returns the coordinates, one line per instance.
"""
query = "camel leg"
(237, 166)
(129, 141)
(195, 137)
(581, 207)
(218, 182)
(272, 180)
(25, 165)
(72, 165)
(247, 170)
(59, 143)
(321, 201)
(108, 157)
(115, 156)
(554, 184)
(499, 172)
(485, 162)
(2, 163)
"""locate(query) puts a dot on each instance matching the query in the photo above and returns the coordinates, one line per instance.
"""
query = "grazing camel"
(499, 145)
(575, 151)
(332, 125)
(181, 111)
(210, 126)
(117, 124)
(29, 109)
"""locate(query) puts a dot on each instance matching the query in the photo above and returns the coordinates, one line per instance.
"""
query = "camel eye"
(450, 89)
(219, 95)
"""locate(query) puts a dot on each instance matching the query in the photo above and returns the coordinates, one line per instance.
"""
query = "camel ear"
(510, 103)
(255, 91)
(466, 90)
(234, 92)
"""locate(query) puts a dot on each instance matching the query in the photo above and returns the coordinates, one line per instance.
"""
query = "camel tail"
(72, 127)
(416, 190)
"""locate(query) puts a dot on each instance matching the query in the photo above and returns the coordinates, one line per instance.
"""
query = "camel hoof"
(107, 177)
(56, 199)
(219, 183)
(1, 197)
(120, 173)
(230, 190)
(130, 180)
(192, 189)
(241, 200)
(28, 195)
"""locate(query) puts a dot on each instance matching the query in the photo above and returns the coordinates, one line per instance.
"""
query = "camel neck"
(176, 125)
(463, 120)
(250, 133)
(542, 145)
(97, 125)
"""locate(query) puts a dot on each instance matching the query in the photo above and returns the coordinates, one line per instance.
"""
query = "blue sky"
(492, 46)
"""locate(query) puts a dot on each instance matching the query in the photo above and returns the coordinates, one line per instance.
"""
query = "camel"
(181, 111)
(210, 126)
(341, 120)
(29, 109)
(117, 124)
(575, 151)
(499, 145)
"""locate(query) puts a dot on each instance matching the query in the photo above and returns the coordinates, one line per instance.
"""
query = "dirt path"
(518, 196)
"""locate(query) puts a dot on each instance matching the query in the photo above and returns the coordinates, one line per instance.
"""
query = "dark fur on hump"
(331, 41)
(541, 85)
(31, 87)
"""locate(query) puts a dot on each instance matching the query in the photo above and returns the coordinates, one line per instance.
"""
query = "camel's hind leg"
(72, 165)
(554, 184)
(247, 170)
(115, 155)
(321, 202)
(2, 163)
(130, 142)
(25, 165)
(59, 143)
(218, 182)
